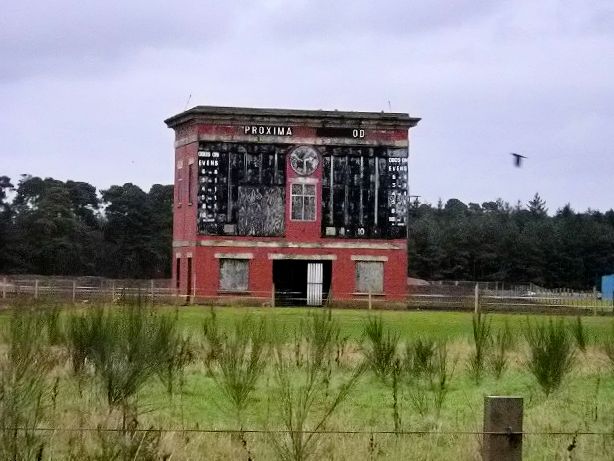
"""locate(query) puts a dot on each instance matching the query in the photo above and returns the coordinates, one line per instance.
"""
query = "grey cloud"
(38, 37)
(323, 20)
(85, 90)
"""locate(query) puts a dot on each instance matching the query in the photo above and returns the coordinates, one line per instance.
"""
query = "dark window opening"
(189, 277)
(290, 278)
(364, 192)
(179, 186)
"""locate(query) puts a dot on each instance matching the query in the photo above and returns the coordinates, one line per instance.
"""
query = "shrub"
(380, 348)
(502, 342)
(440, 385)
(551, 353)
(396, 415)
(54, 326)
(608, 345)
(123, 444)
(579, 333)
(175, 353)
(429, 395)
(481, 340)
(85, 332)
(126, 348)
(240, 363)
(419, 356)
(23, 388)
(304, 402)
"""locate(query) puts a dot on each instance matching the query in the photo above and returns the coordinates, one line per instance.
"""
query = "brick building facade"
(292, 204)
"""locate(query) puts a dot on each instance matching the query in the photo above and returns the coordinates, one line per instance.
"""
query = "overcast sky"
(85, 85)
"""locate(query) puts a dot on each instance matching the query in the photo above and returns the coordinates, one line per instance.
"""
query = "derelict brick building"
(308, 204)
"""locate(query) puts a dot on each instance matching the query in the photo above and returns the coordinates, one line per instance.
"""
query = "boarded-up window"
(303, 202)
(234, 274)
(369, 277)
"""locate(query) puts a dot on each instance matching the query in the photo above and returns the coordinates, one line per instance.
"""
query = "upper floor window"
(303, 202)
(190, 174)
(179, 183)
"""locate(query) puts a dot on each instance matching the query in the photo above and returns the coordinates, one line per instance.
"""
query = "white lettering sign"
(267, 130)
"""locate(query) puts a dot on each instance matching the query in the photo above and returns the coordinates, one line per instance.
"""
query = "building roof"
(332, 116)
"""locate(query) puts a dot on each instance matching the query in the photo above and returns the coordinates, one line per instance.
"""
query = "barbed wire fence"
(502, 436)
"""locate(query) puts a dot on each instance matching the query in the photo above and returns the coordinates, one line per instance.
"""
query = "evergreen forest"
(52, 227)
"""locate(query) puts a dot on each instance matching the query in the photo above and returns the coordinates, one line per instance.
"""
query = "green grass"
(584, 402)
(409, 324)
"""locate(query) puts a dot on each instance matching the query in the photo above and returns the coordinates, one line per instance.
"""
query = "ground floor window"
(369, 277)
(234, 274)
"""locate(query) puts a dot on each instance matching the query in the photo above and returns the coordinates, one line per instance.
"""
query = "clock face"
(304, 160)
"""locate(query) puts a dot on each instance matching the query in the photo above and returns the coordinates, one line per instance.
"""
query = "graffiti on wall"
(260, 211)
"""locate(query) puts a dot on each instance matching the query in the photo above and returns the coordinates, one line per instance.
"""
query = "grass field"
(583, 403)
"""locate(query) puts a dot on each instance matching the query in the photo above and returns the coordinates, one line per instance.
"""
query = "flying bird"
(517, 159)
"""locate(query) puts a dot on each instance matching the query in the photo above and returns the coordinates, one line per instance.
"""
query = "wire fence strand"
(325, 432)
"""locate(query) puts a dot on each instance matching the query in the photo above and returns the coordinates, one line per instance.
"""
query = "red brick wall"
(261, 270)
(205, 269)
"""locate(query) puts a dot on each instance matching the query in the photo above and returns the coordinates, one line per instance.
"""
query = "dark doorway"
(290, 278)
(189, 277)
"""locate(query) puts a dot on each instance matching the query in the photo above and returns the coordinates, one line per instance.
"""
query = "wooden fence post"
(152, 291)
(502, 429)
(370, 301)
(4, 282)
(74, 291)
(36, 289)
(273, 296)
(476, 304)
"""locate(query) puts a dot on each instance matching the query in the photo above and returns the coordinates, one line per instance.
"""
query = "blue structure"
(607, 287)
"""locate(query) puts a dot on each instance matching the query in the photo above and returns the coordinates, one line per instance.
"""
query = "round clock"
(304, 160)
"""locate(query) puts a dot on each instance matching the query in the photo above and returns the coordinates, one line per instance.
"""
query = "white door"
(314, 284)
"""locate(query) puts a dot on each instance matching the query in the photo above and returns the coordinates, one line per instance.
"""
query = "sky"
(85, 85)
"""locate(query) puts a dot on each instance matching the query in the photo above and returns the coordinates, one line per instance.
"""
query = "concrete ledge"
(369, 258)
(234, 255)
(276, 256)
(362, 245)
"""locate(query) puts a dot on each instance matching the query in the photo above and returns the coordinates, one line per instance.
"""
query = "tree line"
(495, 241)
(52, 227)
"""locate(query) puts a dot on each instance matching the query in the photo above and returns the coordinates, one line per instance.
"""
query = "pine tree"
(537, 206)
